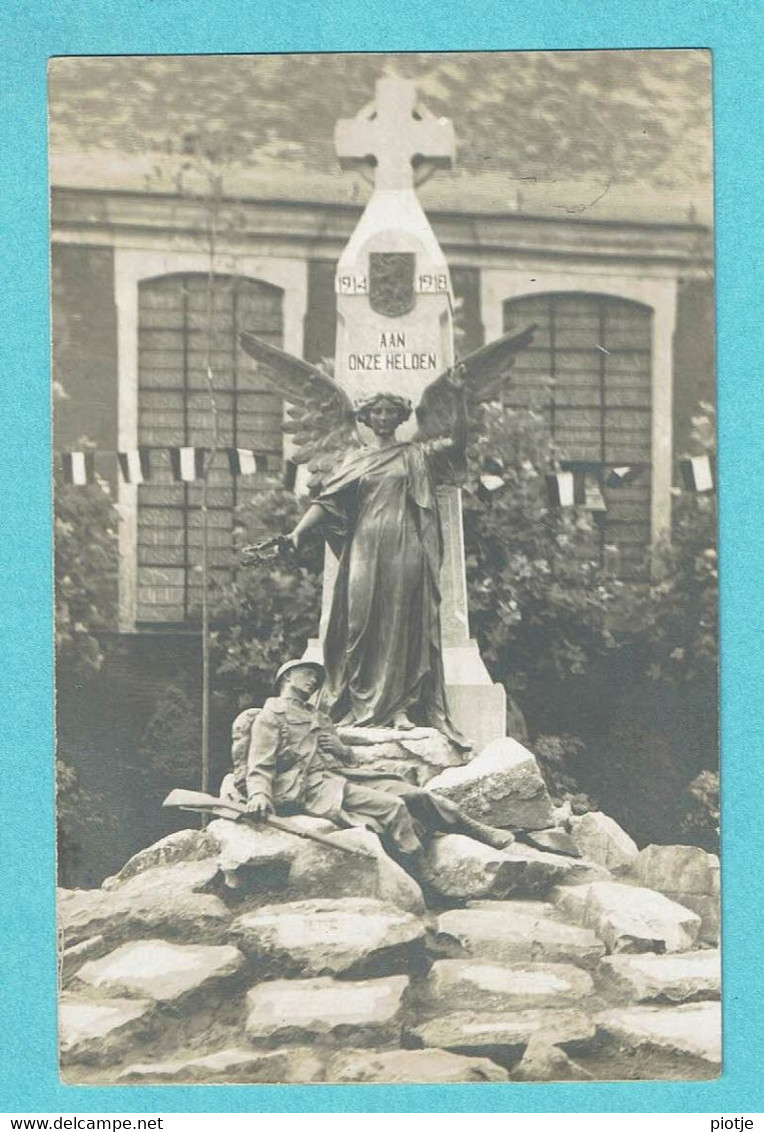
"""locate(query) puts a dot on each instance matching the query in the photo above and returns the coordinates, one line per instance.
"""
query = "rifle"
(227, 808)
(266, 550)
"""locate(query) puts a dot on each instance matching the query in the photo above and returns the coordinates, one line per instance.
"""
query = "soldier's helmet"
(291, 664)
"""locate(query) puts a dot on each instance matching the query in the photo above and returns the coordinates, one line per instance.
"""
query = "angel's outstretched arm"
(312, 518)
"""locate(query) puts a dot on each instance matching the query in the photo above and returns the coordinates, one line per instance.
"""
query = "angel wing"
(320, 414)
(484, 371)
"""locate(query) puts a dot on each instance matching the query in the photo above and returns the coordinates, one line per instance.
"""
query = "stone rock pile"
(244, 954)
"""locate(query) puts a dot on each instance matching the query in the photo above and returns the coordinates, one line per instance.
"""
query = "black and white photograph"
(385, 567)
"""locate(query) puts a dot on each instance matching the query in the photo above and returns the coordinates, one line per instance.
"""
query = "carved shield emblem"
(391, 282)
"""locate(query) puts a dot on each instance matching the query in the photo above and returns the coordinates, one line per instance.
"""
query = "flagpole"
(212, 246)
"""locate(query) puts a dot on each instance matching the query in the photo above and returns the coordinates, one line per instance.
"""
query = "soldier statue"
(290, 759)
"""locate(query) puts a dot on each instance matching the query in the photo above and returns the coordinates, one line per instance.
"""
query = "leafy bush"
(267, 613)
(538, 600)
(85, 571)
(85, 577)
(559, 757)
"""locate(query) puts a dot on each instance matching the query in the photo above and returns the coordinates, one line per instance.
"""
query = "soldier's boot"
(487, 834)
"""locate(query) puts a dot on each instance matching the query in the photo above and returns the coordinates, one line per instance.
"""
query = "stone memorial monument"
(395, 336)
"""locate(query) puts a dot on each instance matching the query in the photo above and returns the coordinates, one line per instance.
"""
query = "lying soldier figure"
(297, 763)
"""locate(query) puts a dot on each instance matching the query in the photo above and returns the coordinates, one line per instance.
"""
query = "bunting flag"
(135, 465)
(492, 477)
(617, 477)
(697, 473)
(246, 462)
(575, 489)
(490, 482)
(564, 489)
(79, 468)
(593, 497)
(187, 464)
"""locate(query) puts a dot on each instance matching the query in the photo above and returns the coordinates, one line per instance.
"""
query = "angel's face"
(384, 417)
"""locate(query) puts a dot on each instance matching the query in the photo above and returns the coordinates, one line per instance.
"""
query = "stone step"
(161, 971)
(178, 901)
(98, 1032)
(504, 1036)
(692, 1030)
(464, 984)
(629, 919)
(500, 932)
(289, 1066)
(323, 1010)
(678, 977)
(406, 1066)
(354, 937)
(688, 875)
(465, 869)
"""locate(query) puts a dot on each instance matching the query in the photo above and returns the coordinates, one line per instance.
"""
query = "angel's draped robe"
(382, 649)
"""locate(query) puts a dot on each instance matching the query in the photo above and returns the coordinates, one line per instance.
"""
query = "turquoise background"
(35, 30)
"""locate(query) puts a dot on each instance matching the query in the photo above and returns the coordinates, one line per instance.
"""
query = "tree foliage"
(85, 578)
(538, 599)
(85, 573)
(672, 628)
(267, 613)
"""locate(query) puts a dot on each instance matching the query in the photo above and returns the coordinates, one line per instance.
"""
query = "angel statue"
(376, 505)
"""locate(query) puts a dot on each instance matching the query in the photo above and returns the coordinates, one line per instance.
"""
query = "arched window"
(180, 316)
(589, 370)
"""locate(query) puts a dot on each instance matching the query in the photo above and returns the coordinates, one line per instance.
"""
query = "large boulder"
(73, 957)
(504, 1036)
(465, 869)
(352, 937)
(292, 1065)
(471, 984)
(366, 872)
(685, 869)
(498, 932)
(161, 971)
(600, 839)
(690, 1031)
(184, 845)
(416, 755)
(98, 1032)
(325, 1011)
(406, 1066)
(177, 901)
(630, 919)
(545, 870)
(502, 787)
(680, 977)
(260, 860)
(257, 858)
(688, 875)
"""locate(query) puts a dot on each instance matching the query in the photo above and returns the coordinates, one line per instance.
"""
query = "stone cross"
(395, 334)
(391, 133)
